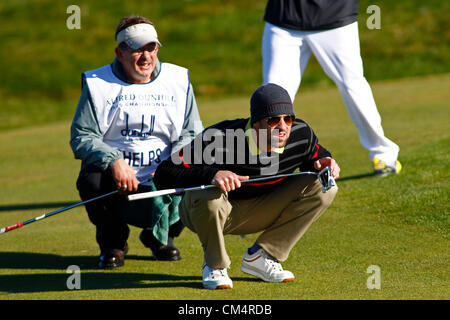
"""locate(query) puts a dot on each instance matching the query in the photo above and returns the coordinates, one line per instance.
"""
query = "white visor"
(138, 35)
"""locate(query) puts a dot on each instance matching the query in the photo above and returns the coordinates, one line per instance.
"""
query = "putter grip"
(152, 194)
(17, 225)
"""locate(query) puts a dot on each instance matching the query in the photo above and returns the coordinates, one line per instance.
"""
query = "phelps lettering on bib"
(141, 120)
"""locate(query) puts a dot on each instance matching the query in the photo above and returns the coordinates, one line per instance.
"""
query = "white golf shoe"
(264, 266)
(216, 278)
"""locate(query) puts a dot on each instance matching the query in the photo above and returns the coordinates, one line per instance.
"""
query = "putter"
(324, 176)
(21, 224)
(326, 179)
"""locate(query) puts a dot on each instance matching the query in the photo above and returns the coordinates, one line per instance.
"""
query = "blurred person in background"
(328, 29)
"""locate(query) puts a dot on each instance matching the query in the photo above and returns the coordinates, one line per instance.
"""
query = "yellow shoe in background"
(398, 167)
(382, 170)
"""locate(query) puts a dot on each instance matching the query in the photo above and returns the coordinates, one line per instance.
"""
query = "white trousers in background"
(285, 56)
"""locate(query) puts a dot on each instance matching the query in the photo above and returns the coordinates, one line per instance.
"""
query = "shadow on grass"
(91, 278)
(356, 177)
(33, 206)
(57, 281)
(28, 260)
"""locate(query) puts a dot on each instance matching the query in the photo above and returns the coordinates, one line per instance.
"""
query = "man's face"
(278, 130)
(138, 65)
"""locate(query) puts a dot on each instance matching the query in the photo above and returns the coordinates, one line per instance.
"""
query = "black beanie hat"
(270, 100)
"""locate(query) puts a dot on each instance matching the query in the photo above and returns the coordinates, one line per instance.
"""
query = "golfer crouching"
(271, 142)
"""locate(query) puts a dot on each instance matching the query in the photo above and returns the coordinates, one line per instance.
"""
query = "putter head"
(326, 179)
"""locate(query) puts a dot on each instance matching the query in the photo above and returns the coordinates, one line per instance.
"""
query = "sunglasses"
(274, 121)
(148, 47)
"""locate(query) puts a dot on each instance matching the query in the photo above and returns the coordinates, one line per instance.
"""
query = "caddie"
(132, 114)
(271, 142)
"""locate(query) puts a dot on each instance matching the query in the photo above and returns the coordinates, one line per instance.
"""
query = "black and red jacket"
(189, 167)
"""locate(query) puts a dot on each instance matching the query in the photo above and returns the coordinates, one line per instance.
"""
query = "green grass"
(219, 41)
(400, 223)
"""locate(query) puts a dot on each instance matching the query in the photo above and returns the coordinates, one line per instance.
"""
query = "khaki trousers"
(283, 215)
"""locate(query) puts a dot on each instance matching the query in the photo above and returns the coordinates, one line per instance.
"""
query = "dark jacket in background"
(311, 14)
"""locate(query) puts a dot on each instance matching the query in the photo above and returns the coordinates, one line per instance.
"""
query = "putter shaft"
(21, 224)
(153, 194)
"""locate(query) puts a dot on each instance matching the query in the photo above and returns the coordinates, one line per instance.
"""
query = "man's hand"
(124, 177)
(328, 162)
(227, 180)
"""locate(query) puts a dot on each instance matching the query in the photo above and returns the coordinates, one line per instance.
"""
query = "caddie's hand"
(227, 180)
(328, 162)
(124, 177)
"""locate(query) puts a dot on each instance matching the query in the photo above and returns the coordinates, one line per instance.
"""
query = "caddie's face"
(277, 131)
(139, 65)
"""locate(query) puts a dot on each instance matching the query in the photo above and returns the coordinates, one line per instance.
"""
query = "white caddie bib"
(141, 120)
